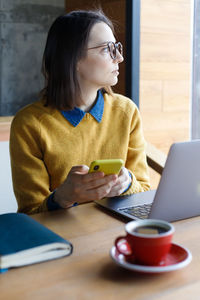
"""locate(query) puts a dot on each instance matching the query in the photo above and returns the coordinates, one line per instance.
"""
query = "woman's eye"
(105, 49)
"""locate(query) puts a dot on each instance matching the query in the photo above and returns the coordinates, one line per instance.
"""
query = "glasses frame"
(116, 47)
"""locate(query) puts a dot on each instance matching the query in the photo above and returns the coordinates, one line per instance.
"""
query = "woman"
(77, 120)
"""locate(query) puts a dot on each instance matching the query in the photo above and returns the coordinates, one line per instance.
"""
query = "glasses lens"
(119, 48)
(113, 48)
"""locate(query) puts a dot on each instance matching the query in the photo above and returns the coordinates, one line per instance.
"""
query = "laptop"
(178, 193)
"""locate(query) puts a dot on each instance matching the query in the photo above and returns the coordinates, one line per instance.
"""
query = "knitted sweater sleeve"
(136, 161)
(29, 174)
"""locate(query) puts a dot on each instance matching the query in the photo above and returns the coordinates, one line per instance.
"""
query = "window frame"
(133, 50)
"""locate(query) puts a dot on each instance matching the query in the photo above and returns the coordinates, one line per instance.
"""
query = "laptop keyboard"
(140, 211)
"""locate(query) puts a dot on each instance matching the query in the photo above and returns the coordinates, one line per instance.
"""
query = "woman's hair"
(66, 45)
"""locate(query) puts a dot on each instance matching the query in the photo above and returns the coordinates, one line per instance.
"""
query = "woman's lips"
(116, 72)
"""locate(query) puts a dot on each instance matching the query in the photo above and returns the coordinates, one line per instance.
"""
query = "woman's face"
(97, 69)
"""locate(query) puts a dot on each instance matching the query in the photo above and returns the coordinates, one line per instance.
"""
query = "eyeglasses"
(113, 48)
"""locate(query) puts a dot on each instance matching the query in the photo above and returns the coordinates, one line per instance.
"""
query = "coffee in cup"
(146, 241)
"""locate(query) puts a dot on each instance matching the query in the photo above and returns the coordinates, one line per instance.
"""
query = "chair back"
(7, 198)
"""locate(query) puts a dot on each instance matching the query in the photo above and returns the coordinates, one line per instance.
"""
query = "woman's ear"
(77, 67)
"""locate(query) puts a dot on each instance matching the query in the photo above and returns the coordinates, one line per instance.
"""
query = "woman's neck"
(88, 99)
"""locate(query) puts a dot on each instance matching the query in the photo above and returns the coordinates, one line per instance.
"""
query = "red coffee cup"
(146, 241)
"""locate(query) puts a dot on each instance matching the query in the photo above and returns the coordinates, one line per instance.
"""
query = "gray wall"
(23, 30)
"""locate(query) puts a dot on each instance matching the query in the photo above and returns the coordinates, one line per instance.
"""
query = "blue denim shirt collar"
(75, 115)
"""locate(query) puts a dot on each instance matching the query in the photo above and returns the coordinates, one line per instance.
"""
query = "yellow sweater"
(44, 146)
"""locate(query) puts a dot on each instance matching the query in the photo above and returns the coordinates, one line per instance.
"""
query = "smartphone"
(108, 166)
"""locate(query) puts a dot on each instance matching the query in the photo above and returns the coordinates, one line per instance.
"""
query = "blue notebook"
(25, 241)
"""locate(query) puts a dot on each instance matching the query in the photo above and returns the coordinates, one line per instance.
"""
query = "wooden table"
(89, 273)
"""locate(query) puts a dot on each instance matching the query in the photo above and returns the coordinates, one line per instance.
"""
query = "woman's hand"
(121, 184)
(81, 186)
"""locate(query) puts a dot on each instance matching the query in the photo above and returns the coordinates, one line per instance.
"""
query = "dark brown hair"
(66, 43)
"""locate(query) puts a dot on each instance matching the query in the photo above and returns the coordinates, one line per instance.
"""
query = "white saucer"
(176, 259)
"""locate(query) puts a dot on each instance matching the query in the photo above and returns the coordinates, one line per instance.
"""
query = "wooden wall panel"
(165, 71)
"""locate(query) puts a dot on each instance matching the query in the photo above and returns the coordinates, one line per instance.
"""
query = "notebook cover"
(20, 232)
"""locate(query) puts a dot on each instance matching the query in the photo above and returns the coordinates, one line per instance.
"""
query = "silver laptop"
(178, 193)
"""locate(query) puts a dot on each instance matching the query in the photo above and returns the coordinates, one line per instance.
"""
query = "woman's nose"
(119, 58)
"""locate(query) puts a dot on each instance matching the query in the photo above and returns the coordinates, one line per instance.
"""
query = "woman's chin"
(114, 82)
